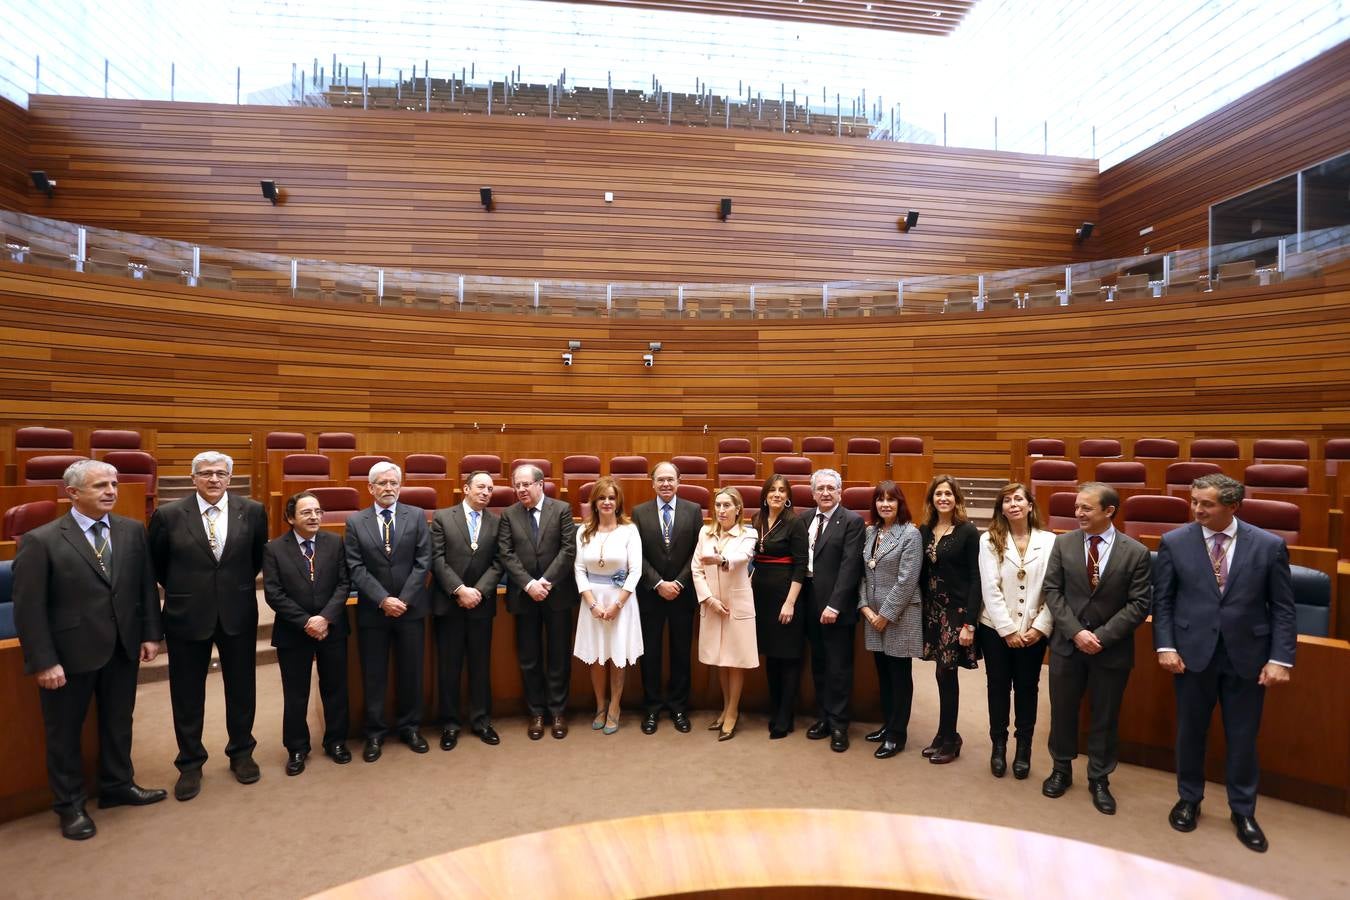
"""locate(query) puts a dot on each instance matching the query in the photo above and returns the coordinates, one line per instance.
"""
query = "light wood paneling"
(13, 156)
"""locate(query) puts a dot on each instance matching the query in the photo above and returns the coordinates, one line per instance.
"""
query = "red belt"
(778, 560)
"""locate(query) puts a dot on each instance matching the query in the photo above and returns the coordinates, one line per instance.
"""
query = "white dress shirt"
(222, 520)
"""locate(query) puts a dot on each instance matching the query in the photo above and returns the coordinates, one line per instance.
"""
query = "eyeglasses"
(309, 514)
(522, 485)
(826, 489)
(386, 482)
(211, 474)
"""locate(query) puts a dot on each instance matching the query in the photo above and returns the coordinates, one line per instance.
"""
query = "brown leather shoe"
(560, 727)
(536, 729)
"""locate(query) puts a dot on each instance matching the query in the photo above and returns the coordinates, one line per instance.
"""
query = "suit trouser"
(189, 663)
(785, 678)
(656, 614)
(545, 691)
(63, 712)
(1240, 702)
(408, 639)
(1070, 678)
(831, 669)
(460, 636)
(895, 681)
(1015, 671)
(295, 664)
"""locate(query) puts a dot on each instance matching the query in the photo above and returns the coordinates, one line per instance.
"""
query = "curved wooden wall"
(401, 189)
(14, 184)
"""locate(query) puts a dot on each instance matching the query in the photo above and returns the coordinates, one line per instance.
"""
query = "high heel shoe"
(727, 735)
(948, 752)
(998, 758)
(1022, 759)
(927, 752)
(716, 726)
(599, 721)
(611, 725)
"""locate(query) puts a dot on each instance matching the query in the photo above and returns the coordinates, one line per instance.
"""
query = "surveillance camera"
(647, 360)
(567, 359)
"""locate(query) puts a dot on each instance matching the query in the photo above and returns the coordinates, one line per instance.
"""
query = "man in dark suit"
(208, 550)
(87, 614)
(388, 557)
(1097, 588)
(537, 541)
(465, 570)
(830, 592)
(669, 530)
(1224, 625)
(305, 581)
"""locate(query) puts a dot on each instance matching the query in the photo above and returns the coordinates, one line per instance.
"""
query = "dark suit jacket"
(1115, 609)
(661, 564)
(402, 573)
(454, 562)
(1254, 613)
(198, 590)
(288, 590)
(551, 558)
(837, 568)
(68, 612)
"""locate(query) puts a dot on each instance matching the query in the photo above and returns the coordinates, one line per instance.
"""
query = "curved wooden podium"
(772, 853)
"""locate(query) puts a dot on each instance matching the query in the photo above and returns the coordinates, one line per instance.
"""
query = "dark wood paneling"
(1298, 119)
(401, 189)
(13, 156)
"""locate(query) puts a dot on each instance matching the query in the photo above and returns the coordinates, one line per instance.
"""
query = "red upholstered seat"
(691, 466)
(1121, 474)
(487, 462)
(1337, 449)
(793, 468)
(1147, 514)
(360, 466)
(21, 519)
(422, 497)
(285, 440)
(136, 467)
(1276, 477)
(737, 468)
(906, 445)
(817, 445)
(337, 503)
(1183, 473)
(1215, 448)
(1283, 448)
(733, 446)
(575, 466)
(858, 499)
(1156, 448)
(863, 445)
(424, 465)
(543, 465)
(1098, 447)
(1054, 470)
(502, 497)
(1059, 512)
(1277, 516)
(750, 495)
(695, 493)
(628, 466)
(48, 469)
(776, 445)
(114, 439)
(1045, 447)
(802, 498)
(37, 437)
(305, 467)
(337, 440)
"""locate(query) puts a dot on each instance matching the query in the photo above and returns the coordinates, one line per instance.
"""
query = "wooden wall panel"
(1296, 120)
(14, 187)
(401, 189)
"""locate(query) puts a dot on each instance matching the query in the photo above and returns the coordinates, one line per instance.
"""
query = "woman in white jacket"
(1014, 622)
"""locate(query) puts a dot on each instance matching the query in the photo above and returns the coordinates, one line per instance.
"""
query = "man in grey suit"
(537, 541)
(87, 614)
(669, 530)
(1224, 625)
(208, 551)
(388, 549)
(465, 570)
(1097, 587)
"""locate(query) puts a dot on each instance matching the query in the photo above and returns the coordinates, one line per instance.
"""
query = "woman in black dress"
(780, 567)
(950, 582)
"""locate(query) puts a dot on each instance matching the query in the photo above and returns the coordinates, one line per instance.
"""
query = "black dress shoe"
(927, 752)
(1022, 759)
(245, 770)
(838, 740)
(536, 728)
(295, 763)
(649, 723)
(819, 731)
(1249, 833)
(338, 752)
(681, 720)
(131, 795)
(887, 750)
(875, 737)
(1101, 796)
(948, 752)
(560, 726)
(1057, 783)
(189, 784)
(449, 738)
(413, 738)
(1183, 816)
(777, 734)
(374, 747)
(998, 758)
(77, 826)
(487, 734)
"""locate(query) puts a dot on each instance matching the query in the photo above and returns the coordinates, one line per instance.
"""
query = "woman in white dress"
(608, 566)
(726, 630)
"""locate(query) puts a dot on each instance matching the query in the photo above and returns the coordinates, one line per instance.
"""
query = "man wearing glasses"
(208, 550)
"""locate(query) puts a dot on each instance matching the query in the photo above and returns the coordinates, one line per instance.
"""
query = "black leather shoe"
(1183, 816)
(413, 738)
(1101, 796)
(77, 826)
(487, 734)
(189, 784)
(649, 723)
(887, 750)
(536, 728)
(934, 747)
(449, 738)
(818, 731)
(295, 763)
(1057, 783)
(338, 752)
(948, 752)
(374, 747)
(998, 758)
(1022, 759)
(838, 740)
(777, 734)
(245, 770)
(682, 723)
(1249, 833)
(131, 795)
(560, 726)
(875, 737)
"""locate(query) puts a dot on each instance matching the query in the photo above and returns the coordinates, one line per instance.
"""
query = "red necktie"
(1093, 568)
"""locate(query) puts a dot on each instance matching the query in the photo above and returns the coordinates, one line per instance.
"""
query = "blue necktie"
(307, 548)
(665, 523)
(388, 528)
(534, 523)
(473, 526)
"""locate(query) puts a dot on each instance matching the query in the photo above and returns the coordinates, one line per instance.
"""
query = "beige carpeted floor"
(287, 837)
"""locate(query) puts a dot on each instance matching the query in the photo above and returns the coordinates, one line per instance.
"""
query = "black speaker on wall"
(724, 209)
(1083, 232)
(485, 198)
(910, 220)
